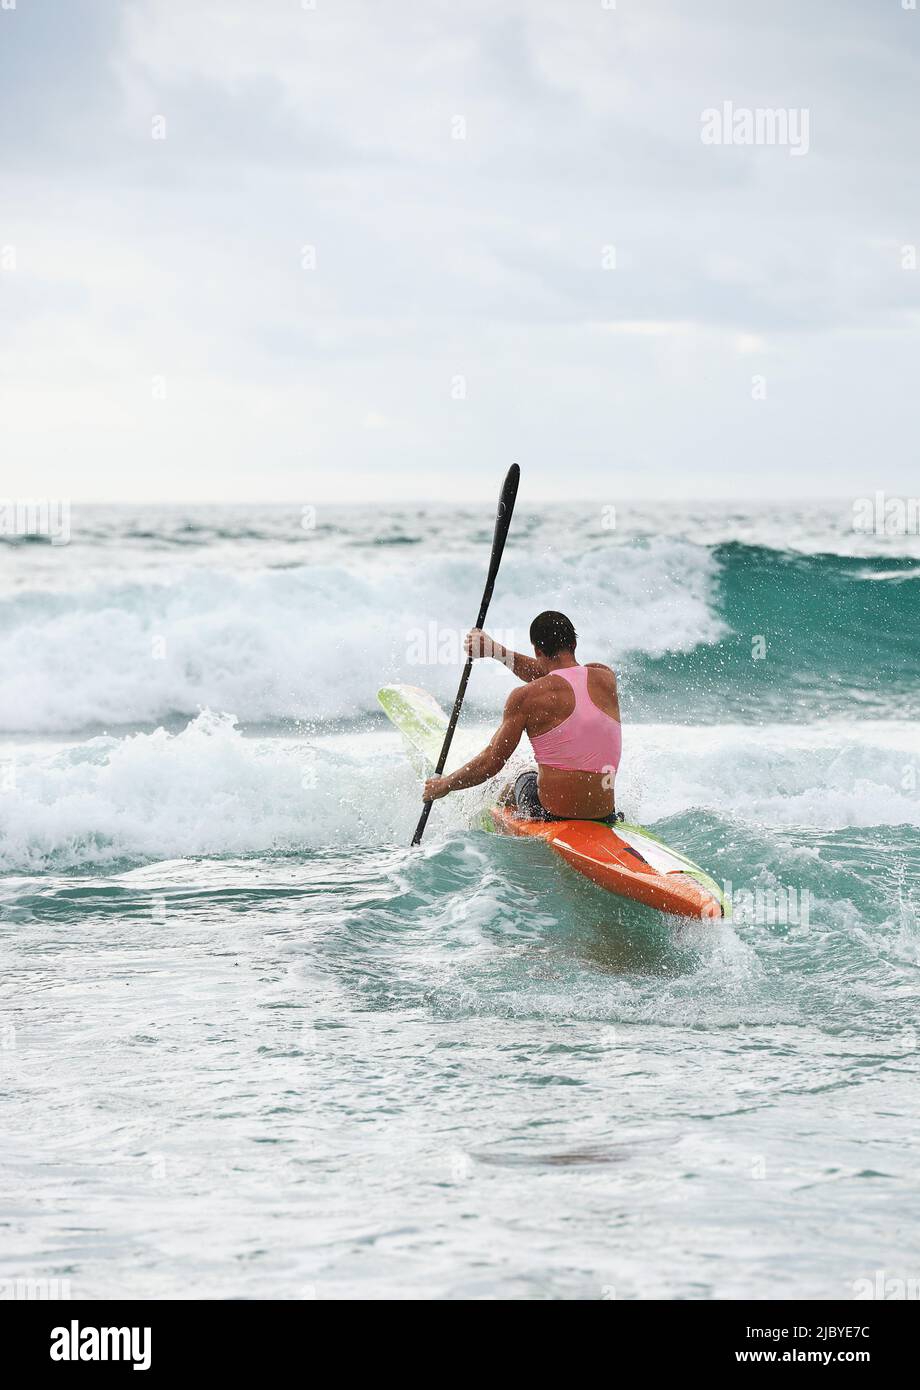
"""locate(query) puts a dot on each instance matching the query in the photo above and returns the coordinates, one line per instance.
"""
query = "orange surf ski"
(626, 860)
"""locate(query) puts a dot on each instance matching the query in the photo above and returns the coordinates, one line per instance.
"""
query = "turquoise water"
(252, 1045)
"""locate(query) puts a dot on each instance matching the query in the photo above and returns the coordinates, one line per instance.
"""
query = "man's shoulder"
(517, 699)
(525, 699)
(534, 689)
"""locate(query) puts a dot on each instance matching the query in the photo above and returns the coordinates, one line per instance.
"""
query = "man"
(571, 715)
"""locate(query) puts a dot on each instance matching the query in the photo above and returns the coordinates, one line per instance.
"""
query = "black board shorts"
(528, 804)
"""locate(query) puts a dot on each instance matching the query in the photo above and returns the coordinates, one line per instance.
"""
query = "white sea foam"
(316, 642)
(825, 776)
(206, 791)
(210, 790)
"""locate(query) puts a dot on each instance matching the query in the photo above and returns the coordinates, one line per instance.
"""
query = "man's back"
(549, 701)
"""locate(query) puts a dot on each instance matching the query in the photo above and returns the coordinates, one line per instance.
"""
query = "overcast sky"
(385, 249)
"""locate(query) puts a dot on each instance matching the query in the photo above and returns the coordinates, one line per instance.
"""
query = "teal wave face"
(811, 636)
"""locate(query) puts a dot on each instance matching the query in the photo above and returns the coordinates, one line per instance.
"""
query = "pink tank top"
(588, 740)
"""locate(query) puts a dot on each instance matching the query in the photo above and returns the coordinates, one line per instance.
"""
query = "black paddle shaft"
(502, 522)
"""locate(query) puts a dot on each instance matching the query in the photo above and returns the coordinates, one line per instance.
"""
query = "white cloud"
(182, 258)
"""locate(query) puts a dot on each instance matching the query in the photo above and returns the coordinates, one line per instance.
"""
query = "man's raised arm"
(478, 644)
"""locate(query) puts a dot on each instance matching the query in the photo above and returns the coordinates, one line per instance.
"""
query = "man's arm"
(479, 644)
(491, 760)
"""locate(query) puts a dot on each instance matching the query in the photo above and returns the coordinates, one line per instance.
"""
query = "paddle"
(502, 522)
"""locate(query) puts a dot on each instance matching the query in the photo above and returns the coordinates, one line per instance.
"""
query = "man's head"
(552, 634)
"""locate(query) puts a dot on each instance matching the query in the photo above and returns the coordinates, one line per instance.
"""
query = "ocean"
(253, 1046)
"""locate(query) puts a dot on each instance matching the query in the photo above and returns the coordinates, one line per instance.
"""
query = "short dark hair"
(552, 633)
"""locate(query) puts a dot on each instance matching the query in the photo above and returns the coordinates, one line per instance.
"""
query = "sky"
(338, 250)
